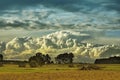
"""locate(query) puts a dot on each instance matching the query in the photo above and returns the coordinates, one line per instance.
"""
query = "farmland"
(59, 72)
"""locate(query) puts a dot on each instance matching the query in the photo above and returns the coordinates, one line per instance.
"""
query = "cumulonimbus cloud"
(56, 43)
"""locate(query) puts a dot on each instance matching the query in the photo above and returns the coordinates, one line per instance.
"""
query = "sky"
(36, 17)
(53, 23)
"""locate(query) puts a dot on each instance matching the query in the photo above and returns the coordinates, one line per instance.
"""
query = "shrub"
(71, 65)
(1, 64)
(90, 67)
(22, 64)
(33, 64)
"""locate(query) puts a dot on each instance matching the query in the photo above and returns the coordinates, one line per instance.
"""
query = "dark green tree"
(40, 59)
(71, 56)
(64, 58)
(1, 57)
(47, 59)
(33, 62)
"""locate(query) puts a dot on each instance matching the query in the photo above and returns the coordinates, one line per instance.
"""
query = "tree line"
(40, 59)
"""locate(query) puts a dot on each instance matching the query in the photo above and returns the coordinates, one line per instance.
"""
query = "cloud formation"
(68, 5)
(56, 43)
(60, 14)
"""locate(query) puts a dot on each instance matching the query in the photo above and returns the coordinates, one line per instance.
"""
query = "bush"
(22, 65)
(51, 62)
(1, 64)
(71, 65)
(78, 65)
(33, 64)
(90, 67)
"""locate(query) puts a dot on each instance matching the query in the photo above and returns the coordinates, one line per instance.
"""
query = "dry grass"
(59, 72)
(67, 75)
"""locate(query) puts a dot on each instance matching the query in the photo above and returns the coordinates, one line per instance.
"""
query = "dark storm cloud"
(69, 5)
(6, 4)
(112, 5)
(14, 24)
(66, 4)
(16, 13)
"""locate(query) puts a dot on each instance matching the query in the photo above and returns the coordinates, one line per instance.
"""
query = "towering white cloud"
(56, 43)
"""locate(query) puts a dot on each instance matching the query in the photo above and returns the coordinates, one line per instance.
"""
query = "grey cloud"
(109, 52)
(60, 14)
(14, 24)
(68, 5)
(6, 4)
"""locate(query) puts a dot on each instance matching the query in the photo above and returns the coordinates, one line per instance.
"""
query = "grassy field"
(59, 72)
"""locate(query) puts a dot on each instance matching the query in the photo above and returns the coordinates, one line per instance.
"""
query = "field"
(60, 72)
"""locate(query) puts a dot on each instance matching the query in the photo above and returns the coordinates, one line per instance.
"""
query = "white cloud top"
(56, 43)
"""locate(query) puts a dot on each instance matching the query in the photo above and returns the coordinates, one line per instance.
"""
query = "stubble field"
(59, 72)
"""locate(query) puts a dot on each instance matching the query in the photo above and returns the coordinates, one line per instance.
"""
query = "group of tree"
(39, 59)
(65, 58)
(1, 59)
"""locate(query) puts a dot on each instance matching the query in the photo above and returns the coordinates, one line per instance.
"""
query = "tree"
(22, 64)
(47, 59)
(38, 54)
(71, 56)
(1, 57)
(33, 64)
(1, 64)
(40, 59)
(64, 58)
